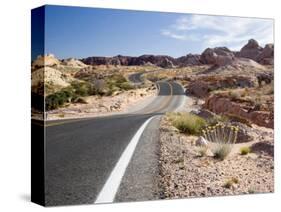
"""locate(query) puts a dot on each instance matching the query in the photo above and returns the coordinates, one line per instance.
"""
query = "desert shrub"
(221, 151)
(117, 82)
(251, 191)
(245, 150)
(223, 137)
(126, 86)
(83, 88)
(55, 100)
(69, 94)
(188, 123)
(231, 182)
(61, 115)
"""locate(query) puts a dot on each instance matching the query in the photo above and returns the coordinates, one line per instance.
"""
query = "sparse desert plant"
(231, 182)
(187, 123)
(223, 137)
(245, 150)
(221, 151)
(61, 115)
(251, 191)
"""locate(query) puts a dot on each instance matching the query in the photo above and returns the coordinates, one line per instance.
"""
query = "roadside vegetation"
(187, 123)
(79, 89)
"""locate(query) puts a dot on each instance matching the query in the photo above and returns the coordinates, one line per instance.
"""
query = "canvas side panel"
(37, 108)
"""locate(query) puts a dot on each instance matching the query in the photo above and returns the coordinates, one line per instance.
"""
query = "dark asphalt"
(136, 78)
(80, 154)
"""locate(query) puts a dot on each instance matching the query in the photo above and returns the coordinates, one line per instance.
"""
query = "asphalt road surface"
(136, 78)
(81, 153)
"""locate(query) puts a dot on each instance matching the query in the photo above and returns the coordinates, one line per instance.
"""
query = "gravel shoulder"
(184, 174)
(141, 181)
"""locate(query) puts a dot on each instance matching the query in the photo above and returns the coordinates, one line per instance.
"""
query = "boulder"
(224, 105)
(245, 133)
(201, 142)
(205, 114)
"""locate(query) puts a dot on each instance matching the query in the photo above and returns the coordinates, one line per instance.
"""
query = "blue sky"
(81, 32)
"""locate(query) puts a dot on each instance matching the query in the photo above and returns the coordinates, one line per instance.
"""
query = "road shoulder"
(140, 181)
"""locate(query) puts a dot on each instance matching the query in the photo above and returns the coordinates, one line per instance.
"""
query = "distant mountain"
(219, 55)
(163, 61)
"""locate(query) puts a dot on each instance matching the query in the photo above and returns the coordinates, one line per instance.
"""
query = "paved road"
(80, 154)
(136, 78)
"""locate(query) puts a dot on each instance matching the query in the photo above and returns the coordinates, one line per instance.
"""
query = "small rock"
(201, 141)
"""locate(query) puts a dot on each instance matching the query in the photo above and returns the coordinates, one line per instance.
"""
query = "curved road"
(136, 78)
(81, 153)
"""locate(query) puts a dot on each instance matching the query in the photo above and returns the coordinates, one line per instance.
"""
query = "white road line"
(110, 188)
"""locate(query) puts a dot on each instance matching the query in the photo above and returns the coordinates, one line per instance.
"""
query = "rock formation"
(266, 57)
(219, 56)
(253, 51)
(163, 61)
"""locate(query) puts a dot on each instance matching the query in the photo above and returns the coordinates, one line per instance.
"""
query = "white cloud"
(213, 31)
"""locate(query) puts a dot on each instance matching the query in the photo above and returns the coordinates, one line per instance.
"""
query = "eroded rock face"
(158, 60)
(266, 57)
(190, 59)
(219, 56)
(223, 105)
(251, 50)
(166, 63)
(201, 86)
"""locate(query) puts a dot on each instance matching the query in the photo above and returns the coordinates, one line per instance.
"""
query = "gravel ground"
(184, 174)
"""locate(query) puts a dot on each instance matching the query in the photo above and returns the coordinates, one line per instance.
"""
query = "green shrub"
(117, 82)
(57, 99)
(83, 88)
(188, 123)
(245, 150)
(126, 86)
